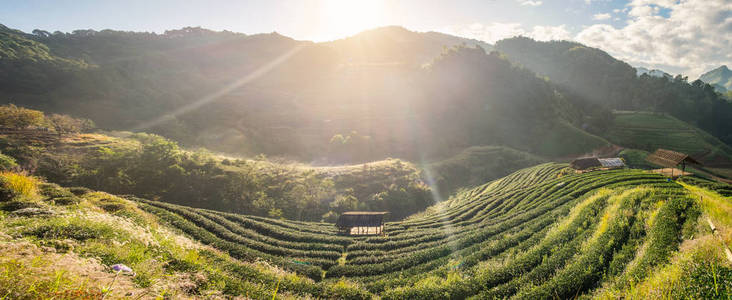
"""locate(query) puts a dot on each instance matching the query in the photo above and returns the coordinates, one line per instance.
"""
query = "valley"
(195, 163)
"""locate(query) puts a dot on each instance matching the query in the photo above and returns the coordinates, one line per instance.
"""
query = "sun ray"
(259, 72)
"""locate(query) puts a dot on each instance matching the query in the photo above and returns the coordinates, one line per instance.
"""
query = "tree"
(68, 124)
(18, 117)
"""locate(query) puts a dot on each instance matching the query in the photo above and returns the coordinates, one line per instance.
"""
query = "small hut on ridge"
(361, 222)
(671, 159)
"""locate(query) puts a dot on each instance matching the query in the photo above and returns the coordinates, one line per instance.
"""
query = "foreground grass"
(700, 268)
(56, 244)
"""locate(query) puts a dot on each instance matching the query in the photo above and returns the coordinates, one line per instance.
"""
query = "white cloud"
(497, 31)
(600, 17)
(487, 32)
(548, 33)
(695, 37)
(530, 2)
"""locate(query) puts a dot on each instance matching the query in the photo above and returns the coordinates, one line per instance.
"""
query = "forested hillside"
(598, 77)
(326, 102)
(150, 166)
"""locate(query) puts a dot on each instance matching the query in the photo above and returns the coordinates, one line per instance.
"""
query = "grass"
(21, 185)
(699, 269)
(636, 159)
(477, 165)
(649, 131)
(540, 232)
(68, 256)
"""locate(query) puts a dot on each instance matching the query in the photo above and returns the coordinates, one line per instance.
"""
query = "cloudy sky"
(687, 36)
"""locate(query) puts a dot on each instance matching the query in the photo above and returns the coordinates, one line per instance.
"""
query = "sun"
(341, 18)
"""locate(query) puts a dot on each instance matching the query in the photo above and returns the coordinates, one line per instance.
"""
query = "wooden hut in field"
(586, 163)
(671, 159)
(361, 222)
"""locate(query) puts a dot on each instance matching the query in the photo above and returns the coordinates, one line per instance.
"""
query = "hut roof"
(613, 162)
(354, 213)
(361, 219)
(668, 158)
(585, 163)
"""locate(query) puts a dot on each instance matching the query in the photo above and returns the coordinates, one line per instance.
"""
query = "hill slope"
(650, 131)
(605, 234)
(64, 243)
(566, 234)
(598, 77)
(392, 91)
(720, 77)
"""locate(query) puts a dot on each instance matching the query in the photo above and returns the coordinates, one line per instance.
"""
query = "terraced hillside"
(540, 232)
(649, 131)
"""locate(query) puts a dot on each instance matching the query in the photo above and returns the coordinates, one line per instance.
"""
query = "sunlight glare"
(340, 18)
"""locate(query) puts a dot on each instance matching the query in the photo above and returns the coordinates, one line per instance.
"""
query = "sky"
(677, 36)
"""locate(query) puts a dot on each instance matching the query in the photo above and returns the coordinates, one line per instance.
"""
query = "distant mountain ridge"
(720, 78)
(654, 72)
(396, 44)
(385, 92)
(600, 78)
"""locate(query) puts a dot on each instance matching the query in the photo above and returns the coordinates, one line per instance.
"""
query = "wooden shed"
(585, 163)
(671, 159)
(361, 222)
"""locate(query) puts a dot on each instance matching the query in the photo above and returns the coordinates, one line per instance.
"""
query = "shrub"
(7, 163)
(76, 230)
(68, 124)
(66, 201)
(79, 191)
(16, 205)
(20, 185)
(18, 117)
(53, 191)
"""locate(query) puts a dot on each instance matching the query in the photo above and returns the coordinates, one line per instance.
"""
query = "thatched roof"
(668, 158)
(585, 163)
(361, 219)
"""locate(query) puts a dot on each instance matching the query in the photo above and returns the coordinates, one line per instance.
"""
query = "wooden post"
(683, 167)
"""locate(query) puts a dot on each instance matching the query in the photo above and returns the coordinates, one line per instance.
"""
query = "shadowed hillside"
(650, 131)
(363, 98)
(602, 79)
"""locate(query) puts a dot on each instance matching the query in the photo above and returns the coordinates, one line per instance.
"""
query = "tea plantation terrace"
(563, 232)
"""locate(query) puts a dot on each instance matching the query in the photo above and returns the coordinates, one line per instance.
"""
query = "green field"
(565, 233)
(475, 166)
(650, 131)
(541, 232)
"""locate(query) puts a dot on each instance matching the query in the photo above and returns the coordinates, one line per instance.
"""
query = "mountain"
(596, 76)
(396, 45)
(720, 78)
(28, 64)
(653, 73)
(387, 92)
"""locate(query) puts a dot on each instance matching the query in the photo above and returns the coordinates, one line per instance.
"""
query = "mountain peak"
(720, 78)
